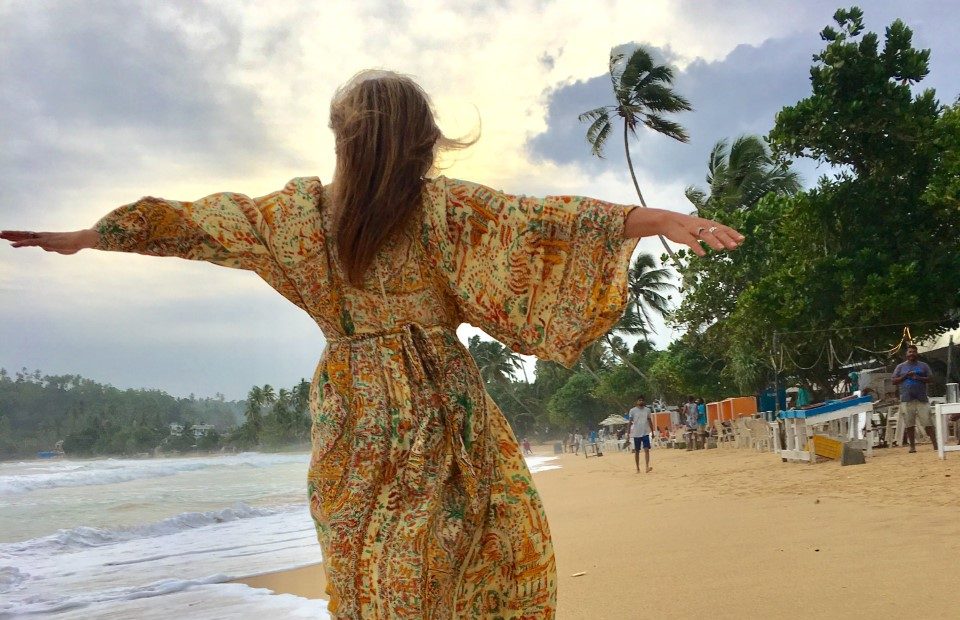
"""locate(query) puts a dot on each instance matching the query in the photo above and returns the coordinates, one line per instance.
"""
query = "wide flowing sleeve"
(268, 235)
(225, 229)
(545, 276)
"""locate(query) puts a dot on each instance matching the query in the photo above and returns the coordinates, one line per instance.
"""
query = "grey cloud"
(739, 94)
(189, 343)
(102, 85)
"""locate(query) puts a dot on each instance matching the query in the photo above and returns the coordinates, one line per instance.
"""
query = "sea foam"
(32, 476)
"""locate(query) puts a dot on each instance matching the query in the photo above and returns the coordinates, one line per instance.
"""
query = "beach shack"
(713, 413)
(737, 407)
(661, 420)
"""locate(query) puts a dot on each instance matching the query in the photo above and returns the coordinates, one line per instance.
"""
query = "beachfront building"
(199, 430)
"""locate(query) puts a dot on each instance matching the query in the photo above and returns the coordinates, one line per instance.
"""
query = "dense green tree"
(574, 407)
(870, 245)
(498, 366)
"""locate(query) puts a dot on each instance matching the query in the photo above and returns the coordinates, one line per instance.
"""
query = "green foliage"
(574, 406)
(37, 411)
(862, 112)
(873, 245)
(689, 367)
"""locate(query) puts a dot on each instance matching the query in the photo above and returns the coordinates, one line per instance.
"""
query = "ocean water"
(156, 538)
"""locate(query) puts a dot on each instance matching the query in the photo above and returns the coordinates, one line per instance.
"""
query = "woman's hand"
(688, 230)
(59, 242)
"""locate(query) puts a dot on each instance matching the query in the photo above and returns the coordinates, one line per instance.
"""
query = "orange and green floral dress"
(423, 504)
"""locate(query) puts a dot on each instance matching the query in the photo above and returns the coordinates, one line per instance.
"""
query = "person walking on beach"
(423, 505)
(641, 425)
(913, 376)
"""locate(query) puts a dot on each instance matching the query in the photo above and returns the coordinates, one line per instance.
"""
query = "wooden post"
(776, 378)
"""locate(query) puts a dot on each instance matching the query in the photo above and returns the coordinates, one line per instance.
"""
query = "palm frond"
(594, 114)
(638, 66)
(658, 98)
(599, 129)
(696, 196)
(659, 73)
(612, 67)
(667, 128)
(718, 161)
(631, 323)
(600, 139)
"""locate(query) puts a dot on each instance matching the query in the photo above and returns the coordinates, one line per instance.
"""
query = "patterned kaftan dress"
(423, 504)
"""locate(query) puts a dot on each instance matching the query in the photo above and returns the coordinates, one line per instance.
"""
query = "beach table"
(801, 424)
(941, 414)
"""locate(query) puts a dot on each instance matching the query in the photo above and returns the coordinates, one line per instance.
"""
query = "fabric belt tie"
(427, 366)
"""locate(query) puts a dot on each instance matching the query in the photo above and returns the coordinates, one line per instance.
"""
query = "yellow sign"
(827, 447)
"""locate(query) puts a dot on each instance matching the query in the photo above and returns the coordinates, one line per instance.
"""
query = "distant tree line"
(91, 418)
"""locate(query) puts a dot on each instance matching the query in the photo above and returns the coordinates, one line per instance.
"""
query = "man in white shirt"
(640, 428)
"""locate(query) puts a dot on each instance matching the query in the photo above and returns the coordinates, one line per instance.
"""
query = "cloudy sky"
(102, 102)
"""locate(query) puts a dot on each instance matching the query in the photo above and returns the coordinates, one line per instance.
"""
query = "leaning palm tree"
(594, 359)
(739, 175)
(642, 95)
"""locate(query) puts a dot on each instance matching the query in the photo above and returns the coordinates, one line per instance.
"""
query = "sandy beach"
(738, 534)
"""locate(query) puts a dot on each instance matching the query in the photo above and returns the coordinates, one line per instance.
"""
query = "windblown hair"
(386, 143)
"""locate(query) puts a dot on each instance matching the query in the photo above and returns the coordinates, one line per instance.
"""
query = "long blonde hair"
(386, 142)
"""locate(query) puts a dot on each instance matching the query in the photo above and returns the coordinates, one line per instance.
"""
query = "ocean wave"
(85, 537)
(112, 471)
(65, 603)
(541, 463)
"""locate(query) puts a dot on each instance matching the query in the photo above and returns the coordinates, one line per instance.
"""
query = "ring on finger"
(712, 229)
(700, 230)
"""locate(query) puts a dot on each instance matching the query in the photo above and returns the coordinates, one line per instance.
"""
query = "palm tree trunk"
(636, 186)
(523, 368)
(591, 371)
(625, 359)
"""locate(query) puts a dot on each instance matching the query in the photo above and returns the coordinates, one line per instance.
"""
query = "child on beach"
(422, 501)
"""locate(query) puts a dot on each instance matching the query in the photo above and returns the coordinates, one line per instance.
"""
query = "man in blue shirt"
(913, 376)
